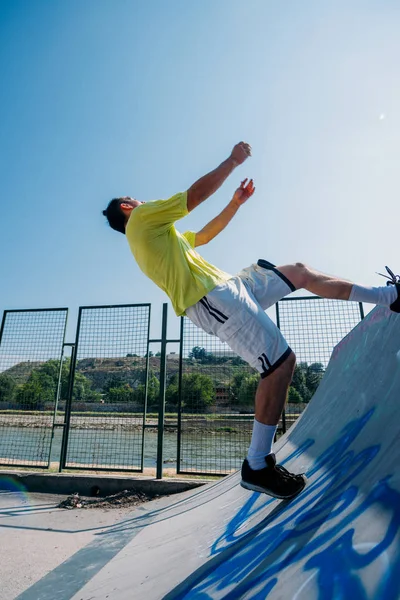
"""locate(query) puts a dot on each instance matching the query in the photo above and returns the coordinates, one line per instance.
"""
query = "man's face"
(132, 202)
(128, 205)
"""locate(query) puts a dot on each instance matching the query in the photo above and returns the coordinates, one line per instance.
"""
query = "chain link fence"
(107, 393)
(107, 400)
(31, 345)
(312, 327)
(217, 390)
(214, 413)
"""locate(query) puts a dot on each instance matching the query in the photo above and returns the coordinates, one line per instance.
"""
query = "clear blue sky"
(101, 98)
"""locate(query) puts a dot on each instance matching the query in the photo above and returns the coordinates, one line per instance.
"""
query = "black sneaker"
(393, 280)
(273, 480)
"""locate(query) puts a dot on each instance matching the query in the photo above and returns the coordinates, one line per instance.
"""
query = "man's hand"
(210, 183)
(215, 226)
(243, 192)
(240, 152)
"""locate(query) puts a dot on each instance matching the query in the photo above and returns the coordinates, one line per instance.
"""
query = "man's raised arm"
(215, 226)
(210, 183)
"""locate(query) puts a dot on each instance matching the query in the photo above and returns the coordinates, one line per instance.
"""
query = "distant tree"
(236, 383)
(211, 358)
(48, 373)
(198, 392)
(172, 391)
(314, 375)
(153, 391)
(294, 396)
(30, 394)
(150, 353)
(115, 381)
(173, 379)
(42, 384)
(39, 388)
(198, 353)
(237, 361)
(311, 376)
(313, 379)
(82, 389)
(299, 383)
(247, 390)
(119, 395)
(7, 388)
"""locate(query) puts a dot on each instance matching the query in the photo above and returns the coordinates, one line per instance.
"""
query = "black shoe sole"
(256, 488)
(395, 307)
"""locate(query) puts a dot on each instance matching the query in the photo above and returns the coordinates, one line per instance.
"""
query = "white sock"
(261, 444)
(383, 296)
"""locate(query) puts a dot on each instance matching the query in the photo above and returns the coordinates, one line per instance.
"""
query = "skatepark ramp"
(339, 539)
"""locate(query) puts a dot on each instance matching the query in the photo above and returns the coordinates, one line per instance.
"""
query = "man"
(233, 308)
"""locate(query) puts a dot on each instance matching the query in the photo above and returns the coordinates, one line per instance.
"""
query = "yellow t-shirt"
(166, 256)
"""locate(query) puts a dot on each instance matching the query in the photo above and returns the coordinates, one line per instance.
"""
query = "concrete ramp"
(339, 539)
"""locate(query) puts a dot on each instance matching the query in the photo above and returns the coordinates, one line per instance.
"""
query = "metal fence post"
(68, 404)
(161, 410)
(283, 417)
(2, 325)
(178, 462)
(361, 310)
(146, 392)
(68, 407)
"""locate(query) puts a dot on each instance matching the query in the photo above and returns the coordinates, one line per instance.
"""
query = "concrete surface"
(36, 537)
(339, 539)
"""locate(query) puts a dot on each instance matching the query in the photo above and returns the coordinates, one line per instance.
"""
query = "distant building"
(222, 394)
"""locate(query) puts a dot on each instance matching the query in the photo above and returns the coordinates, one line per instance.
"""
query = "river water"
(200, 451)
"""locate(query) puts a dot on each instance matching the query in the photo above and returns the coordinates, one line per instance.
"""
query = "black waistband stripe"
(267, 265)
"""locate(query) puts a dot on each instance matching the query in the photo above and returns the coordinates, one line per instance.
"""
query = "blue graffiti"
(316, 528)
(347, 560)
(332, 462)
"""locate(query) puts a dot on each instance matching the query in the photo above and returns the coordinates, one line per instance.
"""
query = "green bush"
(294, 397)
(198, 392)
(7, 388)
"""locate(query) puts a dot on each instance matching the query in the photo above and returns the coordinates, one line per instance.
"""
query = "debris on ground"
(122, 499)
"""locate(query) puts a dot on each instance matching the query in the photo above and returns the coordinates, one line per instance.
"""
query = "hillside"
(131, 370)
(20, 372)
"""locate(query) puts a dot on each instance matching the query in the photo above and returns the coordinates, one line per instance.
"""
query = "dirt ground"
(123, 499)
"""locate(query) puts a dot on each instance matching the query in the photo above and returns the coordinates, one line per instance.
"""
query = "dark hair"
(115, 216)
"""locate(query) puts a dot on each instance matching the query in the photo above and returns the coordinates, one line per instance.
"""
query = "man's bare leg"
(303, 276)
(270, 400)
(259, 471)
(272, 392)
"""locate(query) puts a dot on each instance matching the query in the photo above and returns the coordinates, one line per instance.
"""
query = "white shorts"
(234, 312)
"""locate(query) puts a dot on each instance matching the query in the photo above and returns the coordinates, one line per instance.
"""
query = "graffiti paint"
(314, 530)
